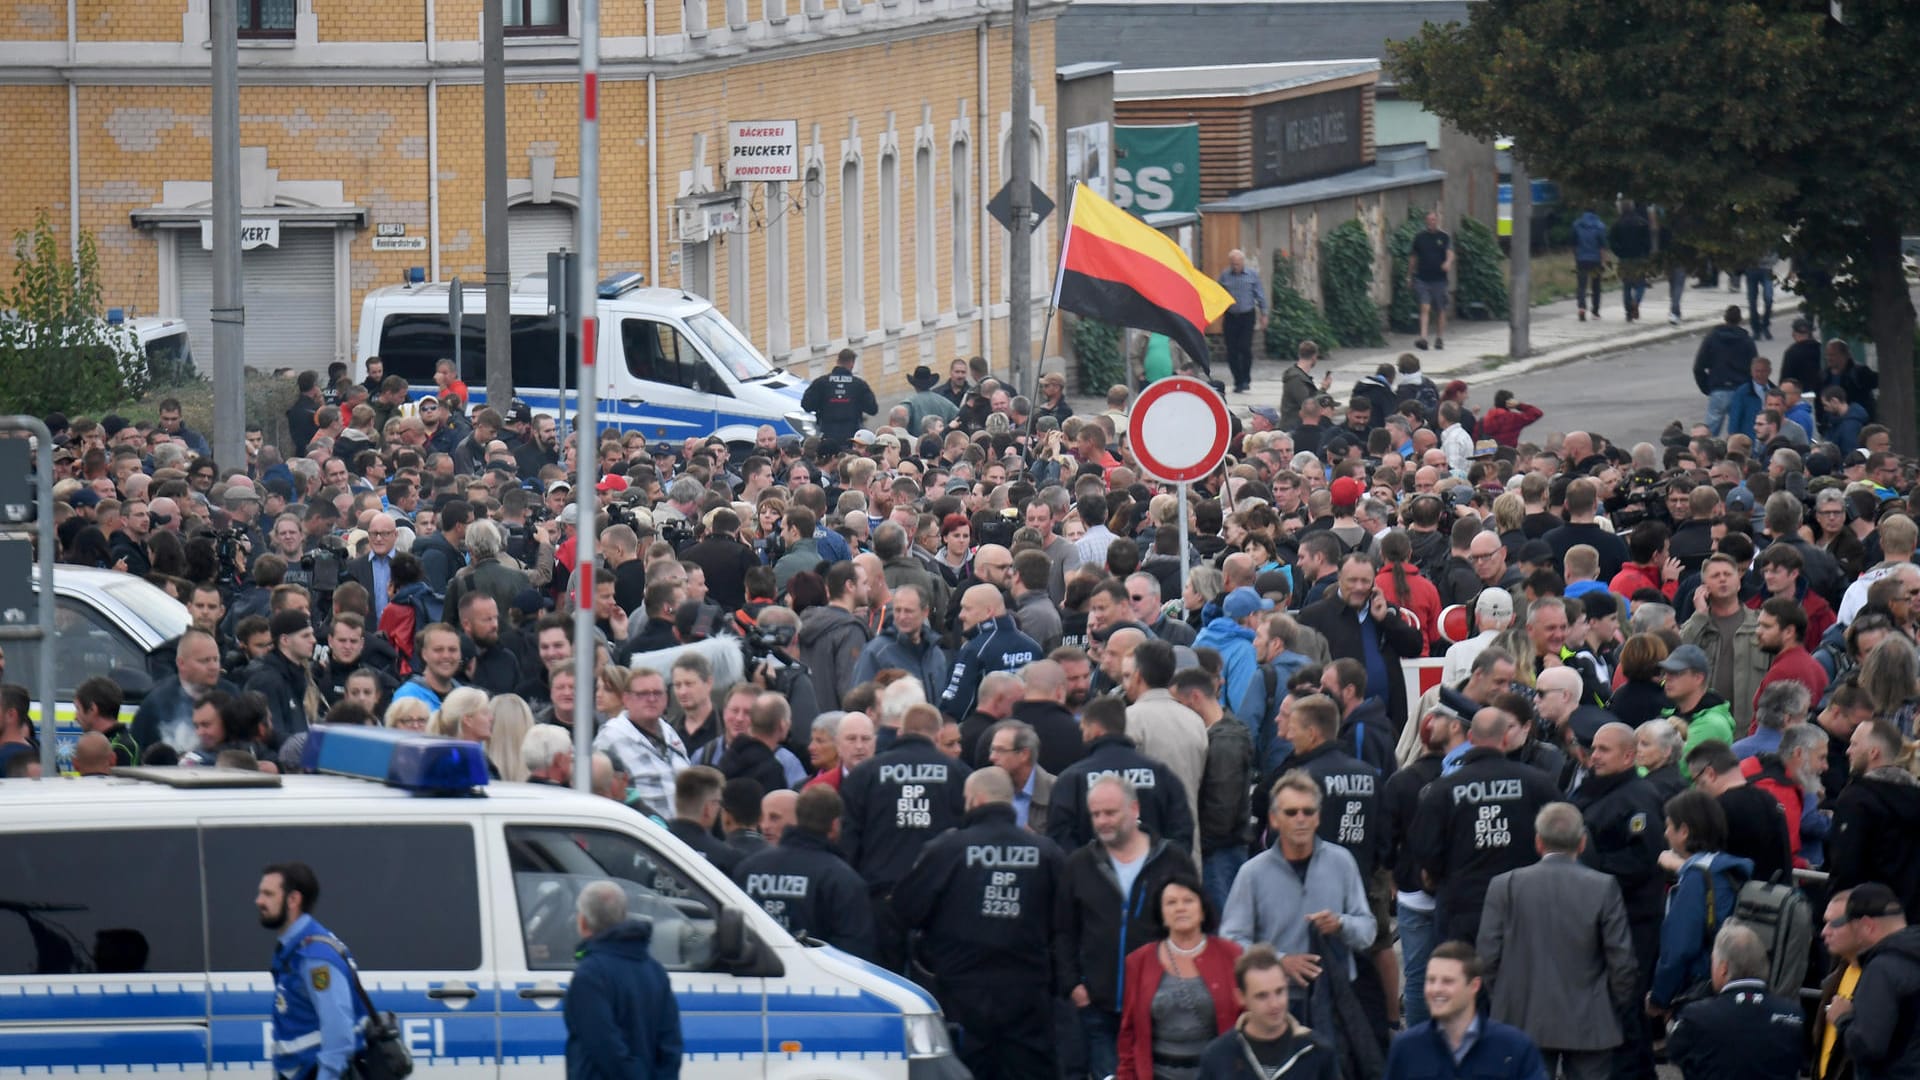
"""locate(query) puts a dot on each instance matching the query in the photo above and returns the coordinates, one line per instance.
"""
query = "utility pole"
(229, 311)
(1020, 177)
(1520, 256)
(499, 286)
(587, 266)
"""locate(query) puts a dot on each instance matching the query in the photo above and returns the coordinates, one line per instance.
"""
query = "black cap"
(290, 621)
(1600, 604)
(1872, 901)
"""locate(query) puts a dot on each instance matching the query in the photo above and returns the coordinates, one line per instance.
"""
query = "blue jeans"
(1634, 289)
(1217, 872)
(1416, 944)
(1719, 403)
(1676, 288)
(1102, 1032)
(1760, 284)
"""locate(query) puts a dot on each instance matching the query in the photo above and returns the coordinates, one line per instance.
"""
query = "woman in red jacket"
(1404, 587)
(1504, 422)
(1179, 991)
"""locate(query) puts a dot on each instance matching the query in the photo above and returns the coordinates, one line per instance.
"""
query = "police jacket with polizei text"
(1164, 811)
(984, 895)
(994, 645)
(1350, 812)
(839, 401)
(895, 803)
(1098, 926)
(809, 889)
(1474, 826)
(1626, 832)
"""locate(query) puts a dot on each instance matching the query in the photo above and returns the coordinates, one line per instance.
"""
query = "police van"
(129, 941)
(670, 365)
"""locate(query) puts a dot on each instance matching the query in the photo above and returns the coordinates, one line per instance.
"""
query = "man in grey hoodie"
(831, 636)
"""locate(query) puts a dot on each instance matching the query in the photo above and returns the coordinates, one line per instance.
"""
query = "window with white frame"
(960, 224)
(890, 316)
(779, 299)
(693, 14)
(853, 252)
(816, 257)
(926, 282)
(737, 14)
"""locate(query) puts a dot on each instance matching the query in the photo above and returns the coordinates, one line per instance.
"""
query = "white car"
(105, 623)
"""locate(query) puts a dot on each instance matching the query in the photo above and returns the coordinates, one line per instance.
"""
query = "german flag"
(1117, 268)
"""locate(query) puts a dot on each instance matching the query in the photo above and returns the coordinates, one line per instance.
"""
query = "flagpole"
(1059, 272)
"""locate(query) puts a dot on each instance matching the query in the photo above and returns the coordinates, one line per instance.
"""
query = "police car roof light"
(618, 285)
(423, 764)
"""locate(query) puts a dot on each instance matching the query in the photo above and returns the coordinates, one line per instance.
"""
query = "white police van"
(670, 364)
(129, 941)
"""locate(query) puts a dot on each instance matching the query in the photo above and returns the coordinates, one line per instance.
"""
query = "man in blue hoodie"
(1589, 259)
(622, 1019)
(1231, 635)
(1841, 419)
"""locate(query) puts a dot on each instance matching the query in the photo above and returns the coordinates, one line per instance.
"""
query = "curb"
(1509, 366)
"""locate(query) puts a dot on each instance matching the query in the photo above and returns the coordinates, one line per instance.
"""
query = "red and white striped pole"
(587, 413)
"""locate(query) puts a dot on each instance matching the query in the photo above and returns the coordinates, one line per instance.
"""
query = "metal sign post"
(16, 509)
(456, 316)
(561, 294)
(588, 412)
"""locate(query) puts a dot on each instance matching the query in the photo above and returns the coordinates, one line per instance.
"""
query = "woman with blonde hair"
(1890, 674)
(610, 693)
(512, 719)
(408, 714)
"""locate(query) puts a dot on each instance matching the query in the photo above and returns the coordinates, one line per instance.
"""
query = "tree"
(57, 352)
(1758, 123)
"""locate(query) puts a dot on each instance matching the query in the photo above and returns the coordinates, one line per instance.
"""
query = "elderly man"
(1014, 746)
(1247, 313)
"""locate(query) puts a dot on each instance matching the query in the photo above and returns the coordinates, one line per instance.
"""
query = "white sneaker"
(1672, 319)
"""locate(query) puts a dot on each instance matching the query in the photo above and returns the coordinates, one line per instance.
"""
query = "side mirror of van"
(741, 952)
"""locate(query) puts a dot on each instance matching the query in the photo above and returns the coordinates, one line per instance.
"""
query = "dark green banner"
(1157, 169)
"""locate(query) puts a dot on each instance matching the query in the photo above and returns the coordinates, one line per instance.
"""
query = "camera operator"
(682, 509)
(725, 560)
(529, 532)
(773, 663)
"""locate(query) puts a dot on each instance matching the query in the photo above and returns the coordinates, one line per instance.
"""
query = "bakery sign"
(767, 151)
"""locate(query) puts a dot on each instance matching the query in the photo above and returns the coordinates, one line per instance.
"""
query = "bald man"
(1113, 656)
(993, 643)
(1044, 708)
(93, 755)
(777, 811)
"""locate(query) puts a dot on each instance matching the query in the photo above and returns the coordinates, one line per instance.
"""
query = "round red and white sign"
(1179, 429)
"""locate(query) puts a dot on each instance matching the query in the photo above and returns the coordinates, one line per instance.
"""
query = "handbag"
(384, 1054)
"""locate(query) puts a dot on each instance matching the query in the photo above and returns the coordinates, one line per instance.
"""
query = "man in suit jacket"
(1015, 746)
(374, 570)
(1557, 951)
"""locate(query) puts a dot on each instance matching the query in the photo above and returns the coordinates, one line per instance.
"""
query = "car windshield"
(734, 352)
(167, 616)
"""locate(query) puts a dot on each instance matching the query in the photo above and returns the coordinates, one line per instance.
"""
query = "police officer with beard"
(840, 400)
(894, 803)
(804, 883)
(316, 1019)
(1476, 824)
(983, 895)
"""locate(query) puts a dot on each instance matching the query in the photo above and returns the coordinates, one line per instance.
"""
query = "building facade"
(362, 157)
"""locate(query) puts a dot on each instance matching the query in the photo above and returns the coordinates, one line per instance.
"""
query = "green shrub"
(1480, 279)
(1294, 318)
(1346, 284)
(1096, 345)
(57, 353)
(1403, 310)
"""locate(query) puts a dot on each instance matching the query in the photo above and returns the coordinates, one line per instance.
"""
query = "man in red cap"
(1345, 492)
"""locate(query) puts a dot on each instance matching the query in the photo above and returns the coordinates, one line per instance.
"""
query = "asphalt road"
(1628, 397)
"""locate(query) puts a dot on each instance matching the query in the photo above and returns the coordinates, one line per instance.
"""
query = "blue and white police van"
(129, 942)
(670, 365)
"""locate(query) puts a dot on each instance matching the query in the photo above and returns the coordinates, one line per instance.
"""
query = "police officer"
(1742, 1032)
(316, 1019)
(983, 894)
(804, 883)
(840, 400)
(1163, 798)
(1350, 815)
(1476, 824)
(893, 804)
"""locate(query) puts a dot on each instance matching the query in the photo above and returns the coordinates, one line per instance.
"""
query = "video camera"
(322, 565)
(999, 528)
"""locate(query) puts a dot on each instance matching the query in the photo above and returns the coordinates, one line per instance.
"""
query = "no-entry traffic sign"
(1179, 429)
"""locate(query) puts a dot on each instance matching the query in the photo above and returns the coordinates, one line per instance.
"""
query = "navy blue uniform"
(994, 645)
(809, 889)
(1740, 1033)
(984, 897)
(839, 401)
(894, 804)
(1350, 814)
(1163, 798)
(1474, 826)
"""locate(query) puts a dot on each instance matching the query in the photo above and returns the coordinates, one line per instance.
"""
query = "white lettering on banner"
(1486, 791)
(1002, 897)
(1149, 188)
(766, 150)
(992, 855)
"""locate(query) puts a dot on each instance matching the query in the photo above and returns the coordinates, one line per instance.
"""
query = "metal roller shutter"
(288, 291)
(533, 230)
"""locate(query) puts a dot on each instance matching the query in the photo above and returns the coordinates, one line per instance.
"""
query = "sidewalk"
(1477, 351)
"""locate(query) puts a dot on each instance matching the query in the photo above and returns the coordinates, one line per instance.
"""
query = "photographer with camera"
(773, 663)
(725, 560)
(490, 571)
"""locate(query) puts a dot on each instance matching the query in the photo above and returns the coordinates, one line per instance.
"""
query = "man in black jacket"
(281, 675)
(895, 803)
(751, 754)
(1441, 730)
(1477, 823)
(1164, 810)
(1721, 368)
(1756, 824)
(985, 896)
(696, 805)
(725, 559)
(1742, 1032)
(1099, 921)
(1350, 816)
(1359, 624)
(804, 883)
(840, 401)
(1877, 1022)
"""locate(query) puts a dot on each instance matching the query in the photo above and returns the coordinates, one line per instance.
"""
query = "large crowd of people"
(935, 687)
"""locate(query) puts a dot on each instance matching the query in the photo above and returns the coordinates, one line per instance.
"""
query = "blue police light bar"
(422, 764)
(612, 288)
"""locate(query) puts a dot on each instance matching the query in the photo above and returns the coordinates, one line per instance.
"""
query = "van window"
(411, 344)
(550, 867)
(658, 353)
(403, 897)
(85, 644)
(113, 901)
(724, 340)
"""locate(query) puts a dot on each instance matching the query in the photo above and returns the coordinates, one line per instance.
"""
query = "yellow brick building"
(361, 119)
